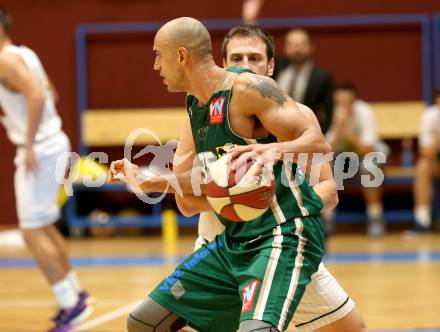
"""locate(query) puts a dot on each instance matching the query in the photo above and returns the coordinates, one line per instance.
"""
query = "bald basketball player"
(256, 272)
(252, 48)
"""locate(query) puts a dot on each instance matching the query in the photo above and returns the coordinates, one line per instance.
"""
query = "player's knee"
(150, 316)
(253, 325)
(362, 327)
(135, 325)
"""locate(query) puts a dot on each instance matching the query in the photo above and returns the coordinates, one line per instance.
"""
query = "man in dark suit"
(303, 80)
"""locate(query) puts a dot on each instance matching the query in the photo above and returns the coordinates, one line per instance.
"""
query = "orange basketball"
(240, 195)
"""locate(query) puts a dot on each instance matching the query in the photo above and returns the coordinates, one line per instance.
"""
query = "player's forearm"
(328, 193)
(190, 205)
(311, 141)
(35, 112)
(187, 183)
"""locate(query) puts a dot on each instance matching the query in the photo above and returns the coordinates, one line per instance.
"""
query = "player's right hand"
(30, 162)
(123, 171)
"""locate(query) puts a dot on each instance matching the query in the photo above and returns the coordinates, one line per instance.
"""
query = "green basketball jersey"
(212, 134)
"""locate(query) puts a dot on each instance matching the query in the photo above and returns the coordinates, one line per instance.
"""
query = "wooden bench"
(111, 127)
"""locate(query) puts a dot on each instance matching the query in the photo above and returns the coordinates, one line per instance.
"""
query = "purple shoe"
(86, 297)
(62, 328)
(65, 319)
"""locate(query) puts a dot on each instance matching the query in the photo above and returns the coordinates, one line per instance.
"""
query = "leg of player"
(256, 326)
(45, 252)
(37, 211)
(326, 307)
(59, 242)
(373, 202)
(423, 194)
(352, 322)
(150, 316)
(72, 301)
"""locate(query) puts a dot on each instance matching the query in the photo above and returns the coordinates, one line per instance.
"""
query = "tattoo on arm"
(266, 88)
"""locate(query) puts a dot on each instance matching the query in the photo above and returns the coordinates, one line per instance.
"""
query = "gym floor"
(395, 280)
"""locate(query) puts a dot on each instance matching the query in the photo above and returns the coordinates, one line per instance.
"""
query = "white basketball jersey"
(209, 226)
(14, 104)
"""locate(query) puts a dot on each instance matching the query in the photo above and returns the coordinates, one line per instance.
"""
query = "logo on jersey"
(221, 150)
(202, 133)
(249, 293)
(217, 110)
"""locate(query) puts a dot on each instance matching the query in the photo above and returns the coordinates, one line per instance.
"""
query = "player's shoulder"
(9, 59)
(7, 62)
(304, 108)
(249, 82)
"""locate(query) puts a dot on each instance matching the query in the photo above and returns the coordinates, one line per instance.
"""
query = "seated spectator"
(426, 166)
(354, 129)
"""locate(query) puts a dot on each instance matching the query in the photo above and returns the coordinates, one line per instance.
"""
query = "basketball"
(240, 195)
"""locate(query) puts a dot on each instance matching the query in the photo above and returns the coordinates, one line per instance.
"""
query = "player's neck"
(204, 80)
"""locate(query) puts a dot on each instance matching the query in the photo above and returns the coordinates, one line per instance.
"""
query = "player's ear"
(224, 63)
(271, 67)
(182, 56)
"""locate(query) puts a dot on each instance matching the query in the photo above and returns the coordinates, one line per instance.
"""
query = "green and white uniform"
(254, 270)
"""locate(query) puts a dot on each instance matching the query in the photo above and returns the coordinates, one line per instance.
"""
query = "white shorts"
(429, 127)
(36, 194)
(324, 300)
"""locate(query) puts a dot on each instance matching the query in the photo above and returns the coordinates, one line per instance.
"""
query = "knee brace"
(253, 325)
(150, 316)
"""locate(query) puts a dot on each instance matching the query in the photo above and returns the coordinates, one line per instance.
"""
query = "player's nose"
(156, 65)
(245, 63)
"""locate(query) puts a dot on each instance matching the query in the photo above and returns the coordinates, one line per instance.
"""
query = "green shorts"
(228, 281)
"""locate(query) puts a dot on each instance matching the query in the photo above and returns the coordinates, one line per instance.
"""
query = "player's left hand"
(264, 155)
(30, 163)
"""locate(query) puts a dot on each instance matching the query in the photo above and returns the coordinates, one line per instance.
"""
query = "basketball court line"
(24, 302)
(125, 310)
(127, 261)
(107, 317)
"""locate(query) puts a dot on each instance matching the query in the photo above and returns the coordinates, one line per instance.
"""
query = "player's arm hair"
(15, 73)
(188, 203)
(160, 182)
(260, 96)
